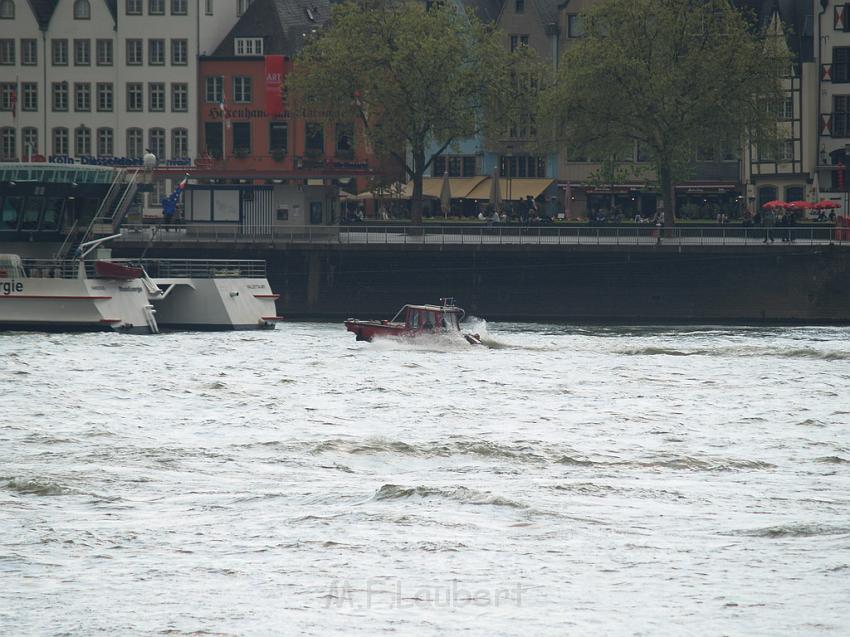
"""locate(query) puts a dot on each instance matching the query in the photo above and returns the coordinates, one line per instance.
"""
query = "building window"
(575, 26)
(455, 165)
(786, 150)
(29, 142)
(841, 115)
(314, 138)
(248, 46)
(82, 141)
(134, 7)
(156, 94)
(518, 41)
(7, 143)
(82, 97)
(60, 141)
(213, 89)
(178, 7)
(135, 97)
(522, 166)
(104, 52)
(242, 89)
(7, 95)
(179, 143)
(156, 52)
(7, 52)
(208, 7)
(156, 7)
(104, 97)
(179, 97)
(59, 91)
(519, 6)
(179, 50)
(135, 54)
(59, 49)
(788, 107)
(278, 137)
(135, 143)
(29, 52)
(242, 7)
(156, 139)
(82, 53)
(105, 146)
(345, 140)
(840, 64)
(7, 10)
(156, 196)
(29, 95)
(241, 138)
(82, 10)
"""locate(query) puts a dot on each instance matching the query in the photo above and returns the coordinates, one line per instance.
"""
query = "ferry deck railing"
(499, 234)
(156, 268)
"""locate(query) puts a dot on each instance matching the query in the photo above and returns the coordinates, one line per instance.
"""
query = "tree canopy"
(415, 77)
(671, 75)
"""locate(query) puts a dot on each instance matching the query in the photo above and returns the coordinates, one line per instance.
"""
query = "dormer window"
(248, 46)
(519, 6)
(82, 10)
(7, 10)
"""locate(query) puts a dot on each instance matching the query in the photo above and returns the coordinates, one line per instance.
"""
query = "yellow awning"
(460, 186)
(511, 189)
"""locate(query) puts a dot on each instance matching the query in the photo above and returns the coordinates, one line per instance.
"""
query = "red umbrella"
(800, 204)
(774, 204)
(827, 203)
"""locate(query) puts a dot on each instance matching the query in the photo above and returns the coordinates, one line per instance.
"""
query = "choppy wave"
(39, 486)
(739, 351)
(457, 493)
(794, 530)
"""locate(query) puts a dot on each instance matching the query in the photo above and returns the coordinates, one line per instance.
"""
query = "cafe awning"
(460, 187)
(511, 189)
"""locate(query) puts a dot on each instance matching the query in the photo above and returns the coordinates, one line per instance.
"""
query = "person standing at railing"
(768, 221)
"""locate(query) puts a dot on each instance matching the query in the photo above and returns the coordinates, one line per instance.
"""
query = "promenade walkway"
(472, 235)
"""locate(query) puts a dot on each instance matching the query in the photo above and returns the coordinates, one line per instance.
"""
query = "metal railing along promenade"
(491, 235)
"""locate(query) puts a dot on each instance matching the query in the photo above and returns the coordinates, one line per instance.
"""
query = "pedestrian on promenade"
(768, 221)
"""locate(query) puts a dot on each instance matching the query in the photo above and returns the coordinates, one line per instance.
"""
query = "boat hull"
(216, 303)
(367, 330)
(75, 305)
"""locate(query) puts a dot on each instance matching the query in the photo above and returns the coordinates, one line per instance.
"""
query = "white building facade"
(99, 81)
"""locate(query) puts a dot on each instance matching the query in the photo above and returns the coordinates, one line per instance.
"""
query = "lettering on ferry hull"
(7, 287)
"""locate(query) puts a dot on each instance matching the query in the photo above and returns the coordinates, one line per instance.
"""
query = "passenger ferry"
(81, 295)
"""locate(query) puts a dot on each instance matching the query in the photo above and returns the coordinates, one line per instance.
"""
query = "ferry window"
(32, 211)
(315, 212)
(10, 213)
(52, 213)
(283, 214)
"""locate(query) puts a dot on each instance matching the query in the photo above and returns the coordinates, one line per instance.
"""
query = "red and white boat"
(415, 320)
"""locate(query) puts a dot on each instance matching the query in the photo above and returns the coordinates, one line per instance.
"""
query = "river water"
(561, 480)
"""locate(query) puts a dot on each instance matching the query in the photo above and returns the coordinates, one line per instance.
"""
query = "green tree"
(416, 78)
(672, 75)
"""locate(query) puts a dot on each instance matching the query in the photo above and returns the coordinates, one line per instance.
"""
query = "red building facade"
(246, 130)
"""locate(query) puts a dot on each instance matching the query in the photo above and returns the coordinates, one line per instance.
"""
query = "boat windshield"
(399, 317)
(450, 321)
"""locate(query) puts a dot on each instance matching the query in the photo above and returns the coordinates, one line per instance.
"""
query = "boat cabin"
(428, 318)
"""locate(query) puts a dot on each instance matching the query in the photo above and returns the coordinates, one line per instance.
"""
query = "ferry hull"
(217, 303)
(76, 305)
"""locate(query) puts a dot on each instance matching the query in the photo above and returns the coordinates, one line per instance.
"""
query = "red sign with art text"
(274, 84)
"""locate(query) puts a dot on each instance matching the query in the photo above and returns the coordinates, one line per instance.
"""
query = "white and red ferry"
(80, 295)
